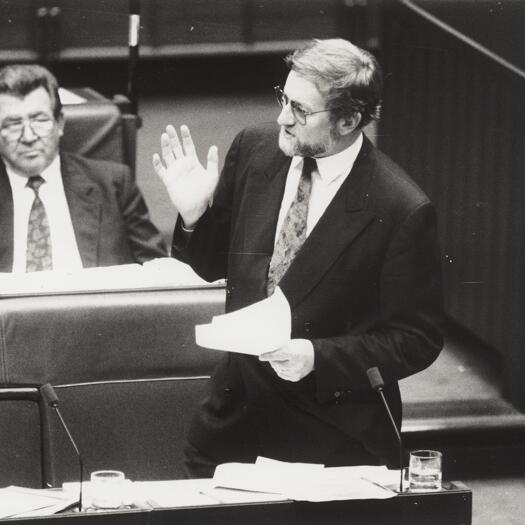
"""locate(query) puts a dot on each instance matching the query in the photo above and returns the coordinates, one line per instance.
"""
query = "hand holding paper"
(261, 327)
(293, 361)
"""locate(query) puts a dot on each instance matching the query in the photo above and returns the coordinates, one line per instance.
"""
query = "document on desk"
(261, 327)
(161, 273)
(305, 482)
(24, 502)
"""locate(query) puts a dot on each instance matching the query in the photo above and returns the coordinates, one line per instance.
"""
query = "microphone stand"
(377, 383)
(133, 45)
(49, 395)
(380, 391)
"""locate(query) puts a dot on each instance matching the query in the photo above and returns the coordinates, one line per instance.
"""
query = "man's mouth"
(30, 154)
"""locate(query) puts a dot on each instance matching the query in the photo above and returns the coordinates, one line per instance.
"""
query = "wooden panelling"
(67, 30)
(454, 117)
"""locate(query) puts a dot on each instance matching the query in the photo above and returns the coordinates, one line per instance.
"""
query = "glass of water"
(424, 470)
(107, 489)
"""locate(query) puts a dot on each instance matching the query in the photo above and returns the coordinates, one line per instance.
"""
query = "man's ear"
(346, 125)
(61, 121)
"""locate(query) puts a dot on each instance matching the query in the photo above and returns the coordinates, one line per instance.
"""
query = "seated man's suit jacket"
(365, 288)
(110, 218)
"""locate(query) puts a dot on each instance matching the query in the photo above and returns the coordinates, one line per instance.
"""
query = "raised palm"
(190, 185)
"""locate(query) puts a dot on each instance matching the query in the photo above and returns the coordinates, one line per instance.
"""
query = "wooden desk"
(452, 506)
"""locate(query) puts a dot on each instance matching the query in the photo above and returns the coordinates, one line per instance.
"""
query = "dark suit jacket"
(365, 288)
(109, 215)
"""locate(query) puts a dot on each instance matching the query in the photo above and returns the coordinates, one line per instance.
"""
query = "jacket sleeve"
(407, 336)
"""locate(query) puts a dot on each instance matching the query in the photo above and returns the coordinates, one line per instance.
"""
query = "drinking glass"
(424, 470)
(107, 489)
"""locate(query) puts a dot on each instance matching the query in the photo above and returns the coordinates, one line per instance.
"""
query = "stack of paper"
(261, 327)
(158, 273)
(23, 502)
(306, 482)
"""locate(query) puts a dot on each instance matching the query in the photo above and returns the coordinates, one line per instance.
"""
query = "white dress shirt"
(64, 245)
(330, 174)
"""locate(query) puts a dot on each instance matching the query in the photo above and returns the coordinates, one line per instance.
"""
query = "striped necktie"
(39, 251)
(293, 230)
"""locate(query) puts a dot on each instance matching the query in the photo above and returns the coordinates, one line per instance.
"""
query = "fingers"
(187, 141)
(275, 355)
(166, 149)
(174, 143)
(284, 371)
(213, 160)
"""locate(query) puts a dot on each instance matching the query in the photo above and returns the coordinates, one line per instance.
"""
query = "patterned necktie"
(293, 230)
(39, 253)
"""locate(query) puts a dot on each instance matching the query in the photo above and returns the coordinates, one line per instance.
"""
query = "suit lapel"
(345, 217)
(6, 222)
(261, 209)
(83, 200)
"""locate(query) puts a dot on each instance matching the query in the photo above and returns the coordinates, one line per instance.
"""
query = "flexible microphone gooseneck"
(50, 397)
(377, 383)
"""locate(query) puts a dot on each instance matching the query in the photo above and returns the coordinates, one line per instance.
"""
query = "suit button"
(307, 327)
(227, 392)
(337, 395)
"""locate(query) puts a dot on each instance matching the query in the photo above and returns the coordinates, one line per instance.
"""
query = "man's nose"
(28, 135)
(286, 116)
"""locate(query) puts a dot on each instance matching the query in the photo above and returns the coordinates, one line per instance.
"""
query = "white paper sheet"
(192, 492)
(159, 273)
(273, 477)
(261, 327)
(25, 502)
(306, 482)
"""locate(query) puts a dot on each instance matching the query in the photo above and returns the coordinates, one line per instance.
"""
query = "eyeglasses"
(41, 126)
(298, 112)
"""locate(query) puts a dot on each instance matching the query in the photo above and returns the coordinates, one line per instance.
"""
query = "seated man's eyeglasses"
(298, 112)
(41, 126)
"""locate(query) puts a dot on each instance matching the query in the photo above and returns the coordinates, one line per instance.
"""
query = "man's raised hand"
(190, 185)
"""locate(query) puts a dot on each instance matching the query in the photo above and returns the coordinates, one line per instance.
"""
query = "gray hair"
(349, 77)
(21, 79)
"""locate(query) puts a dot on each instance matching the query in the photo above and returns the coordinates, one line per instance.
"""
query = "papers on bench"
(305, 482)
(269, 480)
(159, 273)
(261, 327)
(23, 502)
(234, 483)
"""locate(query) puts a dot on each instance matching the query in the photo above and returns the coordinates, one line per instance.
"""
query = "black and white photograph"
(262, 261)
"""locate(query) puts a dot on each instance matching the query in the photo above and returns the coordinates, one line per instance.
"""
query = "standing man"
(312, 206)
(61, 211)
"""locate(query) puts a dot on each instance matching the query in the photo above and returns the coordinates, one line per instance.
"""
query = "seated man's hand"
(190, 185)
(293, 361)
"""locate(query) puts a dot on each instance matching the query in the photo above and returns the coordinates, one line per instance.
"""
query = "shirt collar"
(333, 166)
(51, 174)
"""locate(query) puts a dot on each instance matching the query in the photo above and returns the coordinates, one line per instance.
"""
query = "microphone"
(50, 397)
(377, 383)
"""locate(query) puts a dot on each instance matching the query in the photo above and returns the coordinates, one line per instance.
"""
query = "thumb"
(213, 162)
(273, 355)
(158, 166)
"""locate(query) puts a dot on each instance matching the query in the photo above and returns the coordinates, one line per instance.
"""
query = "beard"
(291, 145)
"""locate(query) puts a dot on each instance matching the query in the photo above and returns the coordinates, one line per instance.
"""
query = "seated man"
(60, 211)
